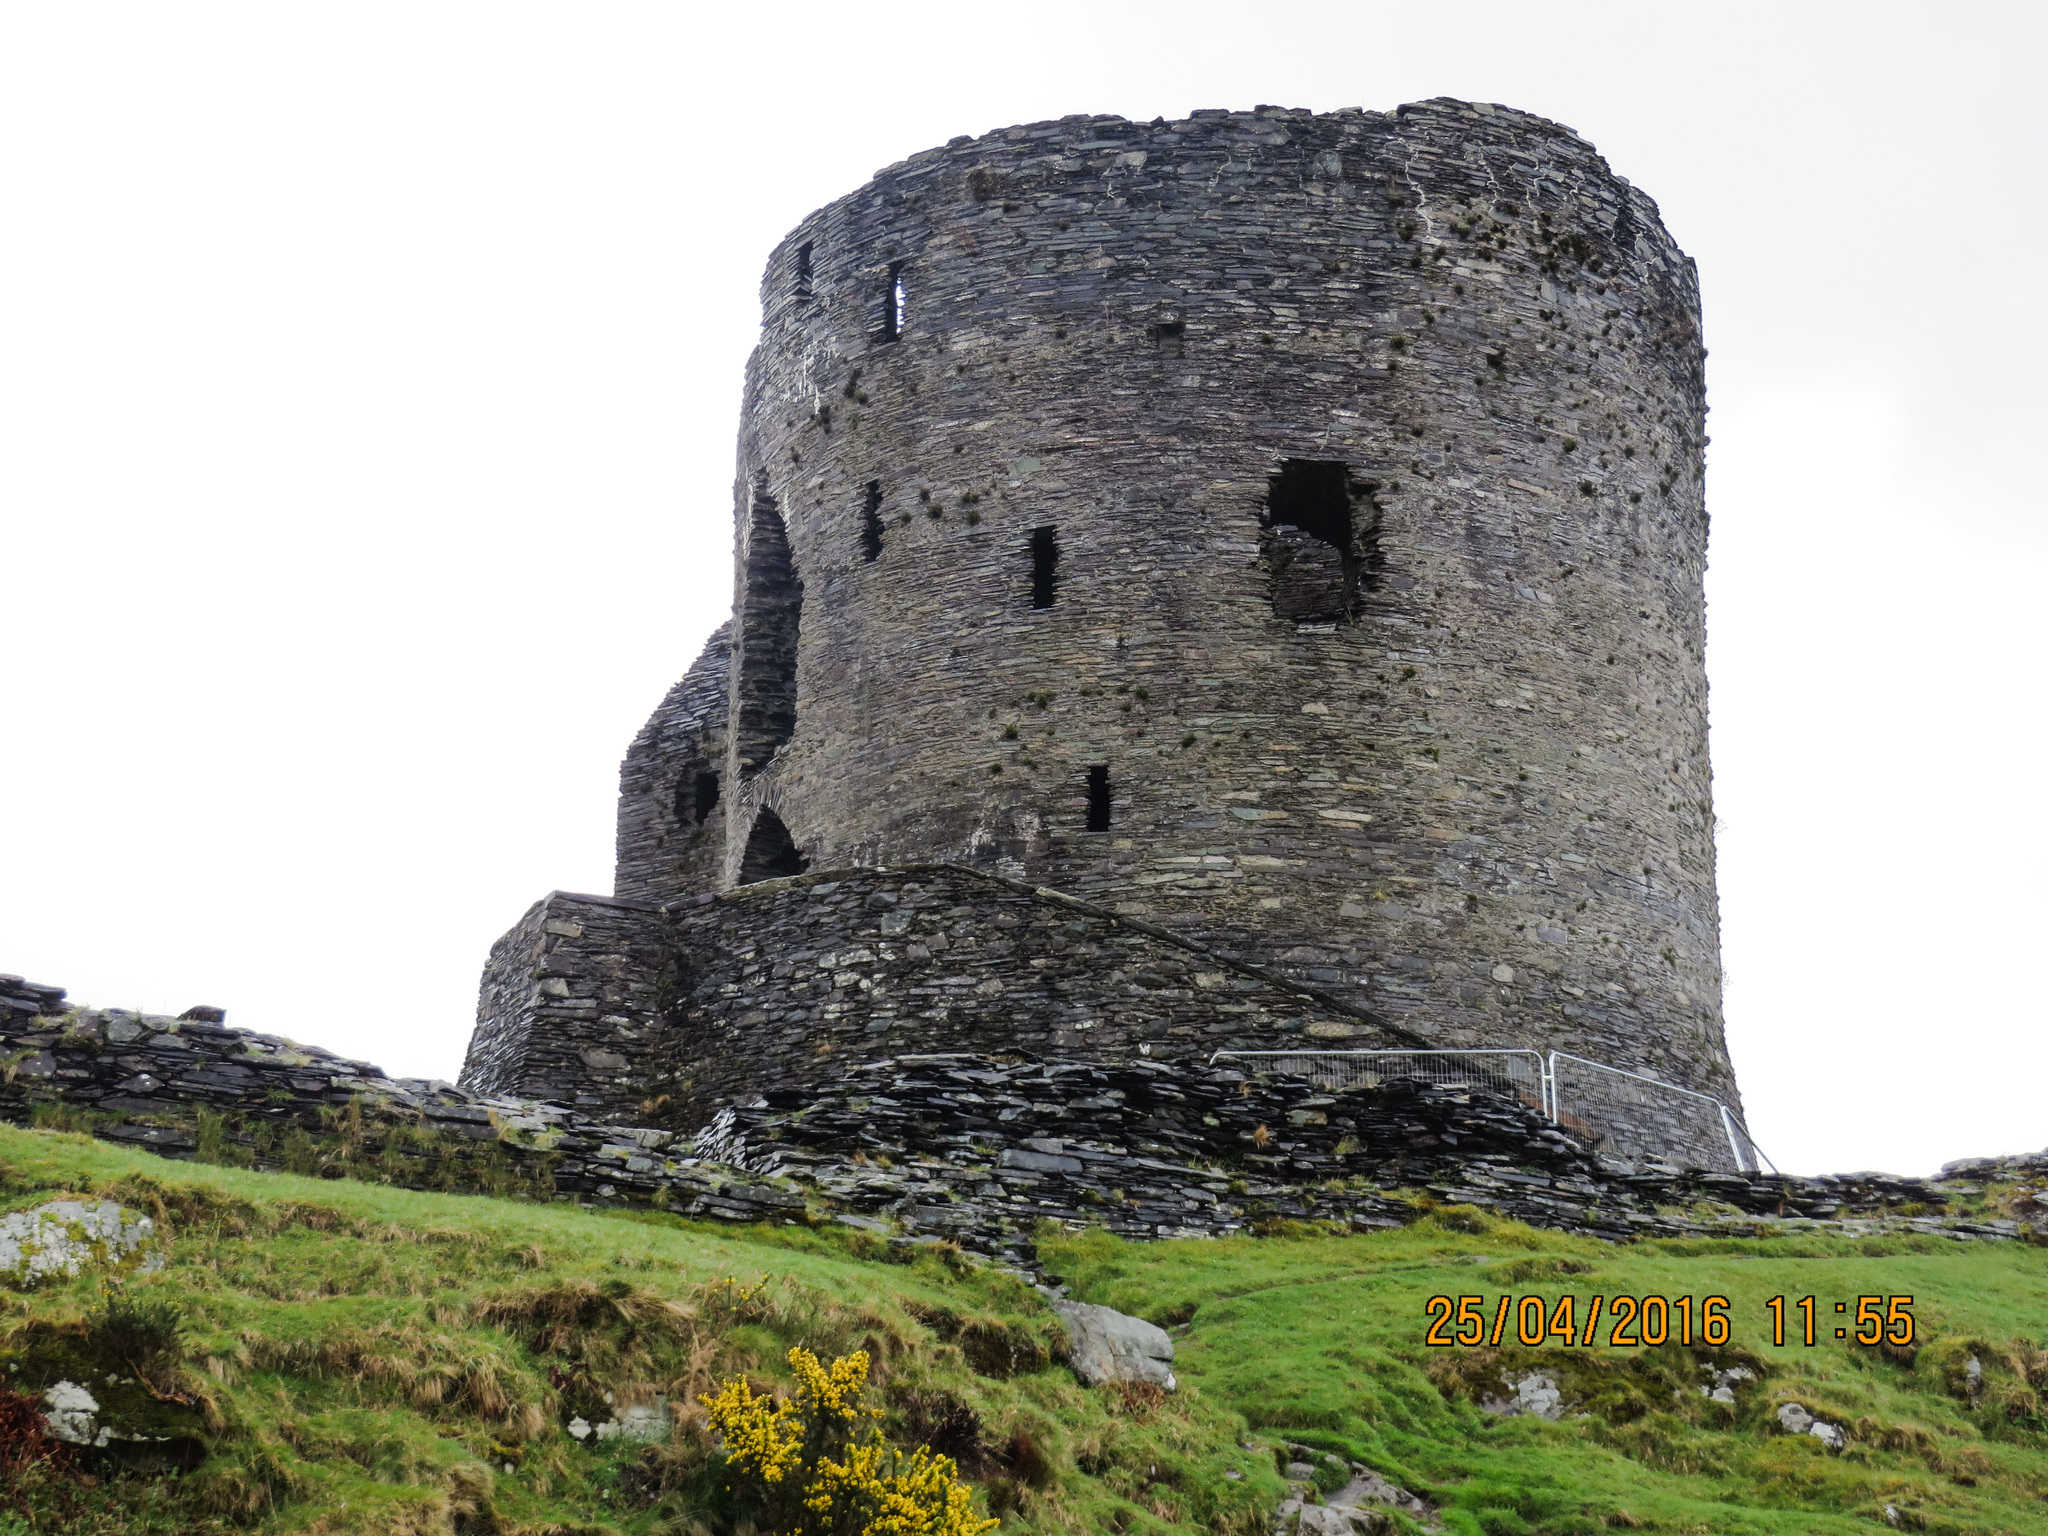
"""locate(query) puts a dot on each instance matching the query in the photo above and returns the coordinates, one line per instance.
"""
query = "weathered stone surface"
(72, 1414)
(22, 1000)
(671, 827)
(1795, 1419)
(569, 1006)
(1105, 1345)
(1284, 531)
(795, 981)
(1364, 1506)
(66, 1237)
(1535, 1395)
(1145, 337)
(644, 1424)
(975, 1149)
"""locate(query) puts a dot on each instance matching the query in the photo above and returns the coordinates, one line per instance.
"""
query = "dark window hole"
(1045, 565)
(770, 618)
(1098, 799)
(771, 852)
(802, 284)
(703, 787)
(1171, 338)
(1321, 540)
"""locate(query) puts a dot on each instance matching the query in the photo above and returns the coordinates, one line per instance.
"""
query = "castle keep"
(1231, 583)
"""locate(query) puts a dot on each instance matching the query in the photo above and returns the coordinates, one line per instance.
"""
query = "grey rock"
(1109, 1346)
(1722, 1388)
(66, 1237)
(73, 1415)
(1535, 1395)
(1040, 1162)
(1795, 1419)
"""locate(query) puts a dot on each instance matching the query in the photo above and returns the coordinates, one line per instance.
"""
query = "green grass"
(1319, 1340)
(336, 1356)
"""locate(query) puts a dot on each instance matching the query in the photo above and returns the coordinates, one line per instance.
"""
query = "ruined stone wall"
(792, 983)
(981, 1149)
(570, 1003)
(671, 830)
(785, 985)
(193, 1088)
(1329, 486)
(975, 1148)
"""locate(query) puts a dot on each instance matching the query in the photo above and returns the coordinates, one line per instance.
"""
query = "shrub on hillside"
(815, 1463)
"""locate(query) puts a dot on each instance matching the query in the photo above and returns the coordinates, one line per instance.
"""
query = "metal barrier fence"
(1624, 1114)
(1631, 1116)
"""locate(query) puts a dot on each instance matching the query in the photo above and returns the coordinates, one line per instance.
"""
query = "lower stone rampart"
(793, 982)
(973, 1148)
(570, 1005)
(664, 1016)
(980, 1149)
(187, 1088)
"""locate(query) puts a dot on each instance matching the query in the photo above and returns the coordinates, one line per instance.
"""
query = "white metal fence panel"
(1628, 1115)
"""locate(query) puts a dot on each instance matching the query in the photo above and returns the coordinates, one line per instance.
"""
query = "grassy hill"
(332, 1356)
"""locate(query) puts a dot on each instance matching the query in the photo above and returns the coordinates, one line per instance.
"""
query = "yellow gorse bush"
(818, 1464)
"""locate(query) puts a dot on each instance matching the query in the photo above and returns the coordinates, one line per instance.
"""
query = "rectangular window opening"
(1098, 798)
(1314, 496)
(871, 523)
(1170, 337)
(1321, 541)
(895, 304)
(1045, 565)
(801, 287)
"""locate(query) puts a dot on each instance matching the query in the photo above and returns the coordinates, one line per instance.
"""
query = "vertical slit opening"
(703, 795)
(801, 285)
(1098, 798)
(871, 522)
(1045, 565)
(770, 616)
(895, 303)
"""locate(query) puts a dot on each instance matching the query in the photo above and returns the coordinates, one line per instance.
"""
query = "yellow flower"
(871, 1488)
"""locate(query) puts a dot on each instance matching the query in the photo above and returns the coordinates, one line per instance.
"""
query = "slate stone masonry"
(974, 1148)
(1282, 530)
(571, 1005)
(1471, 787)
(794, 982)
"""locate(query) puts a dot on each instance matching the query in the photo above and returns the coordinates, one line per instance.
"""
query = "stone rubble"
(1722, 1388)
(1536, 1396)
(21, 999)
(1364, 1506)
(972, 1149)
(1795, 1419)
(144, 1079)
(642, 1424)
(72, 1415)
(979, 1149)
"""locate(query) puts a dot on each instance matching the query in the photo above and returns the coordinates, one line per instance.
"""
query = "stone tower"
(1282, 530)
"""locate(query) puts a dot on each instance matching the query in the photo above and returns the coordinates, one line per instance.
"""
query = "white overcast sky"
(369, 375)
